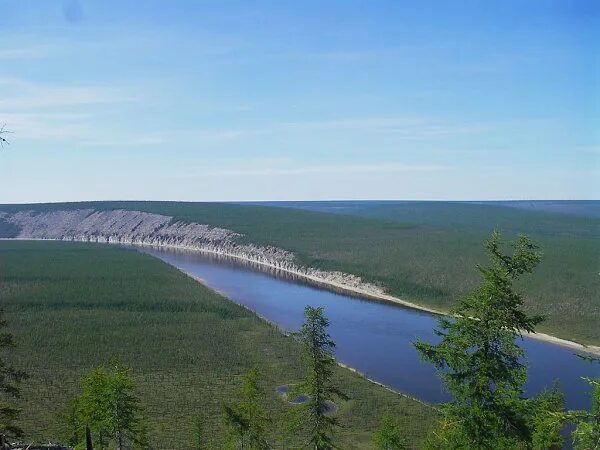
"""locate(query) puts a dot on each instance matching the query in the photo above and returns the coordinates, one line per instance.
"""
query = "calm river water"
(375, 338)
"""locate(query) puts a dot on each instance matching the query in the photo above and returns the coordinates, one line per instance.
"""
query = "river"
(373, 337)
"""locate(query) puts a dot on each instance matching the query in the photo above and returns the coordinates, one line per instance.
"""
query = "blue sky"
(299, 100)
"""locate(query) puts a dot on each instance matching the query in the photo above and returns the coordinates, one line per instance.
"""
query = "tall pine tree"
(248, 420)
(317, 384)
(482, 365)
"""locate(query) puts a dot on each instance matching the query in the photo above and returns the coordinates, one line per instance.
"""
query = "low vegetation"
(10, 379)
(55, 284)
(73, 307)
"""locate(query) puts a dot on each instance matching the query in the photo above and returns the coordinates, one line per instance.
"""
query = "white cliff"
(141, 228)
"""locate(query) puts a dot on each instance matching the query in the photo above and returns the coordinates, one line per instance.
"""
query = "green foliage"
(480, 362)
(73, 306)
(586, 435)
(70, 426)
(587, 430)
(317, 383)
(388, 435)
(544, 414)
(109, 406)
(248, 420)
(9, 384)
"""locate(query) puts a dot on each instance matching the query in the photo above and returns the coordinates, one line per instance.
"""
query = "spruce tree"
(109, 406)
(481, 364)
(388, 435)
(317, 384)
(586, 435)
(126, 423)
(93, 405)
(545, 419)
(248, 420)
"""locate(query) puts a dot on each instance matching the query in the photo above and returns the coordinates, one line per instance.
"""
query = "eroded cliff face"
(141, 228)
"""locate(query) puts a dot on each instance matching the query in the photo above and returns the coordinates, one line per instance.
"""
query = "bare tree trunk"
(88, 438)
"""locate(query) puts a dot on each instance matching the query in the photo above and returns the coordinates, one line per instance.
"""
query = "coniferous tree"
(317, 384)
(248, 420)
(109, 406)
(69, 422)
(89, 443)
(388, 435)
(482, 365)
(9, 385)
(238, 427)
(124, 406)
(545, 420)
(586, 435)
(94, 406)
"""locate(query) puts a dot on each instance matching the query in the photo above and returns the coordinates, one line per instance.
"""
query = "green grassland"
(424, 252)
(72, 306)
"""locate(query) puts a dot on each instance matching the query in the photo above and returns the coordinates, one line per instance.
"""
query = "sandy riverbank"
(592, 349)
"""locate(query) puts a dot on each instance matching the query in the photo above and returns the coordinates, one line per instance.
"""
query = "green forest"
(118, 348)
(73, 307)
(423, 252)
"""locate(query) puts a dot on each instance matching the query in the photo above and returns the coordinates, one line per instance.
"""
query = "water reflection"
(373, 337)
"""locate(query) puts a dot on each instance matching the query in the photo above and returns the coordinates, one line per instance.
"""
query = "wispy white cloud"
(125, 141)
(342, 169)
(74, 128)
(26, 52)
(19, 94)
(36, 111)
(399, 125)
(402, 127)
(50, 126)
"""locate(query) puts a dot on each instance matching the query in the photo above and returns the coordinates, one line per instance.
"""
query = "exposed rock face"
(141, 228)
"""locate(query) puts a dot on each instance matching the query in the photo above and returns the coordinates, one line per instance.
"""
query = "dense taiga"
(420, 252)
(74, 306)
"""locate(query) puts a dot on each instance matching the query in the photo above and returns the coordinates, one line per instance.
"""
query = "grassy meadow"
(72, 306)
(424, 252)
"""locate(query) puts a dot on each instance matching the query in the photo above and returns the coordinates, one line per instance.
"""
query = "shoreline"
(288, 334)
(382, 297)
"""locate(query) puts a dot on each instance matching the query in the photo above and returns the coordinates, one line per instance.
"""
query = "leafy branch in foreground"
(482, 366)
(586, 435)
